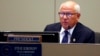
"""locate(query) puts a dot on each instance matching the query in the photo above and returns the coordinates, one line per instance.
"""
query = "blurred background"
(34, 15)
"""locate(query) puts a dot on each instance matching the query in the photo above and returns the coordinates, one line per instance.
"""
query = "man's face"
(68, 17)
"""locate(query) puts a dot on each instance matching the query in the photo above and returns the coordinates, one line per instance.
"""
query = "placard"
(20, 49)
(24, 38)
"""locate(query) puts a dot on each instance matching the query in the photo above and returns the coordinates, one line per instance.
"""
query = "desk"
(54, 49)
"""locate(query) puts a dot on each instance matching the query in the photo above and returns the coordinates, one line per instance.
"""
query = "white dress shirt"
(69, 35)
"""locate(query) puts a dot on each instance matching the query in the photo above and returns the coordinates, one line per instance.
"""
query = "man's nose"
(65, 17)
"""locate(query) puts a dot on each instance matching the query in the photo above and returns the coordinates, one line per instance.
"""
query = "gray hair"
(76, 7)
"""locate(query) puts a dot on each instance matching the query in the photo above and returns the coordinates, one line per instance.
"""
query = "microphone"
(69, 27)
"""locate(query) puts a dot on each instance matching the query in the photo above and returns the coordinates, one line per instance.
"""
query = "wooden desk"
(54, 49)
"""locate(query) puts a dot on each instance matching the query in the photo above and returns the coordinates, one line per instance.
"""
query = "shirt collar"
(69, 30)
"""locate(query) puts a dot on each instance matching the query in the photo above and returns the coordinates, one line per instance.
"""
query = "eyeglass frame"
(66, 13)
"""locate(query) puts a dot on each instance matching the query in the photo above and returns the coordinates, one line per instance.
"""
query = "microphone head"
(69, 27)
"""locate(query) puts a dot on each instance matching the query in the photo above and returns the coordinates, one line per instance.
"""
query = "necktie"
(65, 38)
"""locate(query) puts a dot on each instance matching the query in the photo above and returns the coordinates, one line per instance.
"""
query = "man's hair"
(76, 6)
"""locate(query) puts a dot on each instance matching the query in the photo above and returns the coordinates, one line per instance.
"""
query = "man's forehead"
(67, 9)
(68, 5)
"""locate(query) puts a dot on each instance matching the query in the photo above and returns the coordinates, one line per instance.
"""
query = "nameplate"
(24, 38)
(15, 49)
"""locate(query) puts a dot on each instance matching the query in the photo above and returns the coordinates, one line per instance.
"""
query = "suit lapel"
(76, 33)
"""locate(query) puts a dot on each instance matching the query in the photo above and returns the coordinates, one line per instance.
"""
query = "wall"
(25, 15)
(34, 15)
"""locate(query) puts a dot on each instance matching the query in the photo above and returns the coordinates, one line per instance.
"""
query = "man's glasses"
(61, 14)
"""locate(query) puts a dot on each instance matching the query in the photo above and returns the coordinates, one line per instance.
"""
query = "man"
(69, 13)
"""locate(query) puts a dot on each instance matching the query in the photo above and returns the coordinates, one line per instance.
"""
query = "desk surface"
(54, 49)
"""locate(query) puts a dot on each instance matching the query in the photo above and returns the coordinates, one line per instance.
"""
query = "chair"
(97, 37)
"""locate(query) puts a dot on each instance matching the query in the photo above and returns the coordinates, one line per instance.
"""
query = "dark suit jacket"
(81, 33)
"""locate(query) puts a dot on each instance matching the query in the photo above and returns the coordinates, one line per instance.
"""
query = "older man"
(71, 30)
